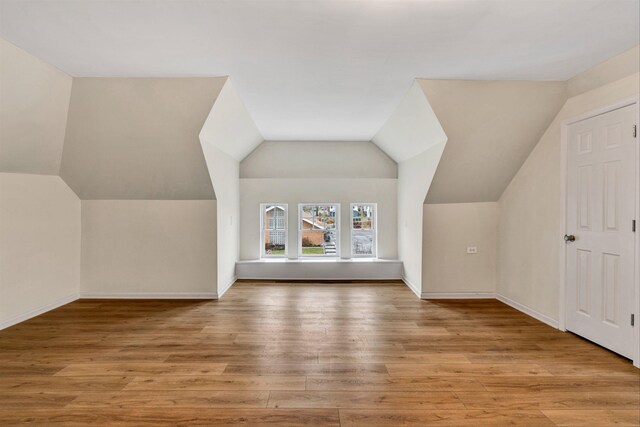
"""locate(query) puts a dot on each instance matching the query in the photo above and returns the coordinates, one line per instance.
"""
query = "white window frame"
(375, 230)
(300, 230)
(263, 228)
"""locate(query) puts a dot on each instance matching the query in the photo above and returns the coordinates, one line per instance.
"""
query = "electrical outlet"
(472, 249)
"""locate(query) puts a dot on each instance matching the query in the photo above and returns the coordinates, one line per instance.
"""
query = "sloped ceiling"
(491, 126)
(34, 101)
(229, 127)
(335, 159)
(411, 129)
(318, 69)
(138, 138)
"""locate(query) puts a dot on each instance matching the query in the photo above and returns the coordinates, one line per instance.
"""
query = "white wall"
(138, 248)
(411, 129)
(39, 245)
(224, 171)
(318, 159)
(414, 178)
(530, 227)
(293, 191)
(228, 135)
(447, 232)
(34, 101)
(414, 138)
(229, 126)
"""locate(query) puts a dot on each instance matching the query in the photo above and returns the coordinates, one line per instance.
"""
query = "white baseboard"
(226, 288)
(411, 286)
(529, 311)
(458, 295)
(151, 295)
(38, 311)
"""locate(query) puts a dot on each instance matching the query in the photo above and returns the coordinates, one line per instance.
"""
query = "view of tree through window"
(319, 230)
(363, 232)
(274, 229)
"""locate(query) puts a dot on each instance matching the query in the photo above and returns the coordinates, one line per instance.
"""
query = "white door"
(600, 211)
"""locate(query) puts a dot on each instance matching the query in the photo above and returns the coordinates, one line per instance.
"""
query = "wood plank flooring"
(292, 354)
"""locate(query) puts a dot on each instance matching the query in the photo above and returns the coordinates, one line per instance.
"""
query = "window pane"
(275, 217)
(362, 242)
(274, 230)
(275, 242)
(329, 223)
(367, 224)
(362, 217)
(363, 230)
(312, 242)
(311, 222)
(309, 210)
(318, 230)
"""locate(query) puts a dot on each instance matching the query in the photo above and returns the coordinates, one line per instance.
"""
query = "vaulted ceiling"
(323, 70)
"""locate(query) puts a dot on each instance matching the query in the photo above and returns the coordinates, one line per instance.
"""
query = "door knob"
(569, 238)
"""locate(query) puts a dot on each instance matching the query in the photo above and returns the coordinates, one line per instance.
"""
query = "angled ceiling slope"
(492, 127)
(34, 101)
(229, 127)
(329, 70)
(411, 129)
(336, 159)
(137, 138)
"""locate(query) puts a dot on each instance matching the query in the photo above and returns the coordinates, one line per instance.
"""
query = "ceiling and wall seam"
(347, 64)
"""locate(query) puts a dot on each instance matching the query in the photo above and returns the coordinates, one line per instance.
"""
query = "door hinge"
(635, 131)
(633, 225)
(633, 319)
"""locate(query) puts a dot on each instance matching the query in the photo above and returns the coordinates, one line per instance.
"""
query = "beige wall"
(447, 232)
(491, 127)
(294, 191)
(34, 101)
(137, 138)
(530, 228)
(315, 159)
(39, 244)
(141, 247)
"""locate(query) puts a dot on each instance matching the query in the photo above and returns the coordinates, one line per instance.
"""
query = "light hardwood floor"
(307, 354)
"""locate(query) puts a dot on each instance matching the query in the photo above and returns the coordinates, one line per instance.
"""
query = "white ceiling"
(323, 70)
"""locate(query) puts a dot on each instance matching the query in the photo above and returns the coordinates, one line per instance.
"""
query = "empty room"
(353, 213)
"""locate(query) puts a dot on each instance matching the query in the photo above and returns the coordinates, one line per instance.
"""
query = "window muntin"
(363, 230)
(273, 233)
(319, 229)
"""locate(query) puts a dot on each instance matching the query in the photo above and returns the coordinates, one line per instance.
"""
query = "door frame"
(635, 100)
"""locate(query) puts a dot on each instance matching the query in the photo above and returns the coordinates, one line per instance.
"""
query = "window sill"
(317, 259)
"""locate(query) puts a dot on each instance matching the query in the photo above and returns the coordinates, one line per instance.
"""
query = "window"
(274, 229)
(319, 229)
(363, 230)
